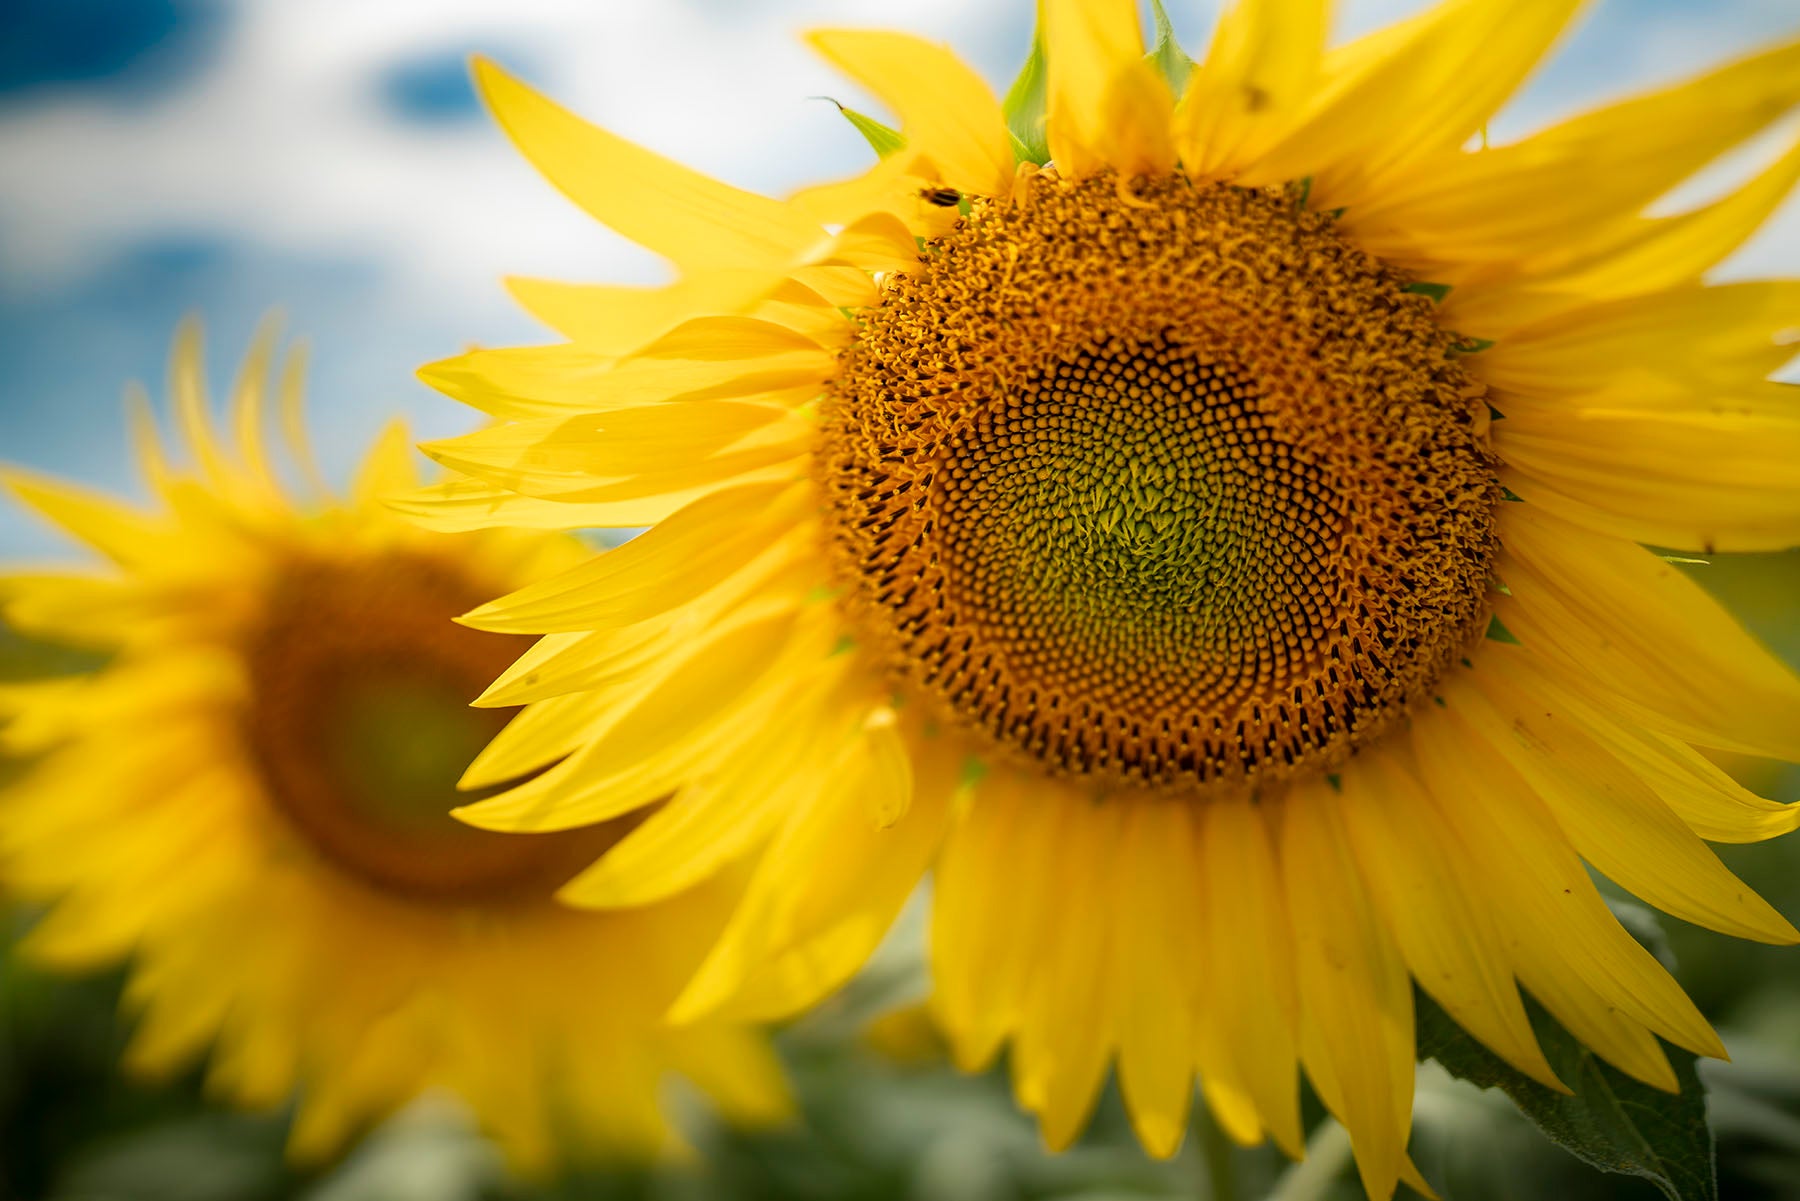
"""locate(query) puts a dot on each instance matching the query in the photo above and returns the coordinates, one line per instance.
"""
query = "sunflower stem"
(1327, 1154)
(1215, 1150)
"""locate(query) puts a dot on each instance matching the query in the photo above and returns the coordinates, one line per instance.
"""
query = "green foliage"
(1024, 105)
(1437, 292)
(1167, 53)
(1611, 1121)
(882, 139)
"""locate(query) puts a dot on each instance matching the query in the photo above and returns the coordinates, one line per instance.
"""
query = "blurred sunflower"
(251, 801)
(1201, 520)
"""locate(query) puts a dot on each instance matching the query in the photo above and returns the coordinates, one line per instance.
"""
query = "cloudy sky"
(327, 157)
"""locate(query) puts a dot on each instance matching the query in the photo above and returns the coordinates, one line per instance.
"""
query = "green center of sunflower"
(1167, 488)
(359, 725)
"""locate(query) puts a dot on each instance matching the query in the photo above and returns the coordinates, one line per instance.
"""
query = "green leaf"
(1024, 104)
(882, 139)
(1612, 1122)
(1167, 53)
(1437, 292)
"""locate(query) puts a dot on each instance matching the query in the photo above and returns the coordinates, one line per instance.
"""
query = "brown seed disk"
(1172, 488)
(358, 725)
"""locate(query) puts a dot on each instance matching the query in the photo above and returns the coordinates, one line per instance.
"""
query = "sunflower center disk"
(359, 726)
(1175, 488)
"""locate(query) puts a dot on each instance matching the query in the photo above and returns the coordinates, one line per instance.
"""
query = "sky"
(328, 159)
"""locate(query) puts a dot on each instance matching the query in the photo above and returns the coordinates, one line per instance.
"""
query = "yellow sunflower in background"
(1202, 523)
(250, 800)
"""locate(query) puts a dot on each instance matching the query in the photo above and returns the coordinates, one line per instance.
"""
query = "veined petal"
(1618, 620)
(628, 452)
(1246, 966)
(1155, 949)
(1570, 951)
(694, 221)
(616, 319)
(1645, 255)
(462, 503)
(1691, 480)
(1446, 938)
(1673, 343)
(1410, 95)
(1066, 1030)
(947, 112)
(1356, 1005)
(1539, 203)
(1106, 106)
(1611, 818)
(1264, 62)
(667, 566)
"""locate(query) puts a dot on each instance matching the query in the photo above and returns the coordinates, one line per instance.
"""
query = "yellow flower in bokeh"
(1210, 541)
(250, 801)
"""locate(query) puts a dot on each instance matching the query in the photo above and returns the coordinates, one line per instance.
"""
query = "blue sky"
(327, 158)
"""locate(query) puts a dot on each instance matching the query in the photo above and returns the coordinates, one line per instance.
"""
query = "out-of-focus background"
(329, 157)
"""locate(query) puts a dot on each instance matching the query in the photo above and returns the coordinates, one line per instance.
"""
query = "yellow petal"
(1066, 1033)
(976, 917)
(1356, 1009)
(696, 222)
(1106, 106)
(1611, 818)
(1246, 968)
(648, 740)
(947, 111)
(1614, 619)
(1155, 950)
(119, 533)
(1696, 481)
(667, 566)
(1645, 255)
(1412, 95)
(1444, 932)
(622, 453)
(390, 466)
(712, 821)
(1540, 892)
(1263, 63)
(1698, 340)
(1540, 203)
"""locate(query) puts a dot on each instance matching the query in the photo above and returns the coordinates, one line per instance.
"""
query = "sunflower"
(250, 799)
(1203, 522)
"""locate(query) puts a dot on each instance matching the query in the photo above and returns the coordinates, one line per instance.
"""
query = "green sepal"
(1301, 190)
(1508, 494)
(1167, 53)
(1465, 346)
(1612, 1121)
(1437, 292)
(882, 139)
(1498, 632)
(1024, 104)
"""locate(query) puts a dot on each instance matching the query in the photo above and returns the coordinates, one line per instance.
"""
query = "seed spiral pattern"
(1167, 486)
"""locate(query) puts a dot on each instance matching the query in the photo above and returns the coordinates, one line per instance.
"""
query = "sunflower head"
(1198, 512)
(251, 800)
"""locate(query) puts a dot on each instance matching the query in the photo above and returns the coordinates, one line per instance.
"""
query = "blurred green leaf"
(1167, 53)
(1612, 1121)
(1024, 105)
(882, 139)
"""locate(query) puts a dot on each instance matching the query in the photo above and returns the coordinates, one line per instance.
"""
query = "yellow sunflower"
(1201, 523)
(250, 799)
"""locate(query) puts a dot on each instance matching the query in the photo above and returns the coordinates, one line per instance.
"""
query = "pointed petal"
(1611, 818)
(947, 111)
(1614, 619)
(697, 222)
